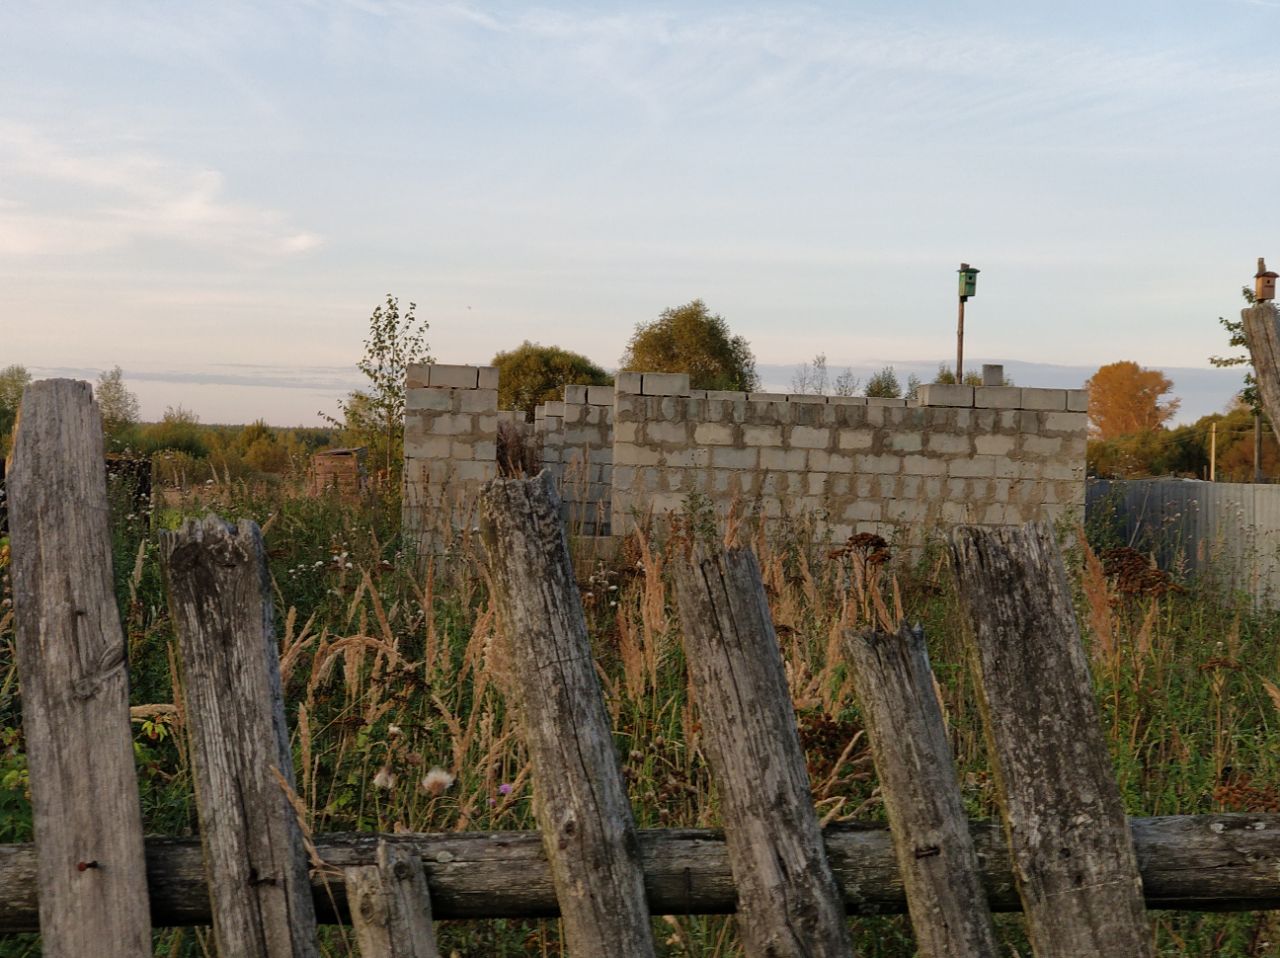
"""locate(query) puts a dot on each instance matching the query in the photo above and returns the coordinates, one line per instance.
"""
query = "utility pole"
(968, 287)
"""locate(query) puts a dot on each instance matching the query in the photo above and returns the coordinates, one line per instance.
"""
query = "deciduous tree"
(691, 339)
(884, 385)
(13, 379)
(1125, 398)
(531, 374)
(118, 404)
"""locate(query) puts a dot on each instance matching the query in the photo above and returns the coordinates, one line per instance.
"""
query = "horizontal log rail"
(1188, 862)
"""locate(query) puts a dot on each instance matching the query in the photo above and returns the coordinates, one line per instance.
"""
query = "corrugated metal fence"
(1227, 530)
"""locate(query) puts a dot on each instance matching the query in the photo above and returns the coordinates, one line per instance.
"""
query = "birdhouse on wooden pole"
(1264, 283)
(968, 280)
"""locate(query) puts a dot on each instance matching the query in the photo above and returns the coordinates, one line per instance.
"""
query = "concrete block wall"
(990, 455)
(586, 458)
(450, 448)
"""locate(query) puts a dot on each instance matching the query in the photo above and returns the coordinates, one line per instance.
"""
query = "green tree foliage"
(178, 431)
(947, 377)
(532, 373)
(375, 416)
(13, 379)
(119, 408)
(691, 339)
(884, 385)
(1236, 340)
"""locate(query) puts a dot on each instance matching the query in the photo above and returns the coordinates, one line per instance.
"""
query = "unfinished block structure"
(990, 455)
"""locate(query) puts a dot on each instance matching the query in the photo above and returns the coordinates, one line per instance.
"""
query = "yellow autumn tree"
(1125, 398)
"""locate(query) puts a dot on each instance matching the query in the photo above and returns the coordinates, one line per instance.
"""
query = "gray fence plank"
(75, 691)
(1073, 857)
(220, 600)
(582, 806)
(788, 900)
(391, 906)
(939, 866)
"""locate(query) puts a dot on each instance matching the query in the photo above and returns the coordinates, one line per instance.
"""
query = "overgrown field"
(391, 673)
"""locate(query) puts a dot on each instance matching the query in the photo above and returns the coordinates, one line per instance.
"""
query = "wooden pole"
(582, 806)
(220, 601)
(1213, 451)
(935, 853)
(1072, 854)
(75, 691)
(1257, 447)
(1262, 338)
(390, 905)
(960, 345)
(788, 901)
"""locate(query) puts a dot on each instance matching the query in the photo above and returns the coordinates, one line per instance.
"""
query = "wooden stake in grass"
(917, 773)
(220, 600)
(75, 691)
(1072, 852)
(582, 808)
(788, 900)
(390, 906)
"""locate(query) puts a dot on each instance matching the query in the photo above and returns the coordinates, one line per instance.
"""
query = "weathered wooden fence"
(1083, 874)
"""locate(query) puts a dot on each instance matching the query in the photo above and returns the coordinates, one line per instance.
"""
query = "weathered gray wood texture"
(75, 690)
(1073, 856)
(1262, 332)
(1190, 862)
(582, 807)
(391, 906)
(220, 600)
(935, 853)
(788, 901)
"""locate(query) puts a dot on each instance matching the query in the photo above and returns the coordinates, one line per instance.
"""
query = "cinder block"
(453, 377)
(847, 400)
(767, 397)
(670, 432)
(1054, 399)
(713, 434)
(724, 394)
(576, 395)
(1066, 422)
(476, 471)
(993, 445)
(809, 437)
(997, 397)
(823, 461)
(906, 441)
(855, 438)
(417, 376)
(666, 384)
(806, 397)
(978, 467)
(1077, 400)
(782, 460)
(435, 400)
(691, 458)
(1041, 446)
(600, 395)
(761, 435)
(879, 465)
(478, 400)
(724, 457)
(949, 445)
(943, 394)
(630, 383)
(882, 401)
(486, 377)
(992, 374)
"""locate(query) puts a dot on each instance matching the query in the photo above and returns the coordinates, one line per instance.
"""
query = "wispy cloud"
(110, 199)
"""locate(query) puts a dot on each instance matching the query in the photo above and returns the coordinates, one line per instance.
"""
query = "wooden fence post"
(582, 809)
(1072, 852)
(788, 900)
(917, 773)
(75, 691)
(391, 906)
(220, 600)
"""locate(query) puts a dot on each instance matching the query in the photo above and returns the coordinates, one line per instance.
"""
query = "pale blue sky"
(185, 186)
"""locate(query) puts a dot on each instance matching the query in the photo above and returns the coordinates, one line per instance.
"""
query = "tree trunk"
(1072, 854)
(1262, 334)
(75, 691)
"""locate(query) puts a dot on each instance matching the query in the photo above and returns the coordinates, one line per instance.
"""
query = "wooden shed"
(342, 469)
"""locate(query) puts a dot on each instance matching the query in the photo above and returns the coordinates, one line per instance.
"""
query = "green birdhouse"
(968, 280)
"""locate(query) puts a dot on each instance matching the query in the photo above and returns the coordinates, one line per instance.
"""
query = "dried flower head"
(385, 779)
(437, 781)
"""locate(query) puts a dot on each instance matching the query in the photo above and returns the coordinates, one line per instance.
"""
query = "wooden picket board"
(581, 803)
(788, 901)
(75, 691)
(220, 600)
(935, 852)
(391, 906)
(1072, 853)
